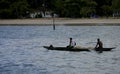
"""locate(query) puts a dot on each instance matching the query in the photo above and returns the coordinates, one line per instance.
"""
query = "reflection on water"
(21, 50)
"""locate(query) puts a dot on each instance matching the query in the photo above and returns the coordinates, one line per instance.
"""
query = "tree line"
(64, 8)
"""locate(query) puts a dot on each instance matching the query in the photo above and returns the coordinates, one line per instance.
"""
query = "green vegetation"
(116, 6)
(64, 8)
(13, 9)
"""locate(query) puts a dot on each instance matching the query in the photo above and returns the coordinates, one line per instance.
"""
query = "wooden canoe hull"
(104, 49)
(66, 49)
(76, 49)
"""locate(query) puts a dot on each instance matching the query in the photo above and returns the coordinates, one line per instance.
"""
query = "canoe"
(66, 48)
(104, 49)
(77, 49)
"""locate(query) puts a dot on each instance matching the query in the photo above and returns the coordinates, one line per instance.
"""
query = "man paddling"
(99, 45)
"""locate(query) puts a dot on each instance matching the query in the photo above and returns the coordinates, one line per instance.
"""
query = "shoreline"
(59, 21)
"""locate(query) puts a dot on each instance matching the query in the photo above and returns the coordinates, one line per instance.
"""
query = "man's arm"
(96, 45)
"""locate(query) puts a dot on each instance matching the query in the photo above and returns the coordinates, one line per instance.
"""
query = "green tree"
(59, 7)
(13, 8)
(88, 8)
(67, 8)
(72, 8)
(107, 10)
(5, 12)
(116, 5)
(103, 6)
(19, 8)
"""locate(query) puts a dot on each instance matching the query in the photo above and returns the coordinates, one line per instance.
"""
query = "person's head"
(98, 39)
(70, 38)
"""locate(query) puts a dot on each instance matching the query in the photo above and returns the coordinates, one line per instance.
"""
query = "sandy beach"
(59, 21)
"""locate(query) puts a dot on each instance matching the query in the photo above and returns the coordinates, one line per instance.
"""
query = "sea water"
(21, 50)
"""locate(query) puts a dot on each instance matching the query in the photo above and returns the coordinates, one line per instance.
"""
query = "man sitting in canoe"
(99, 45)
(71, 44)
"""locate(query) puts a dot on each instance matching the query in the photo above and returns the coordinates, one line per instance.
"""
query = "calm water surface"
(21, 50)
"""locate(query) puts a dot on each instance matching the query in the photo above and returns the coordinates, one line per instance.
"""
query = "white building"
(47, 14)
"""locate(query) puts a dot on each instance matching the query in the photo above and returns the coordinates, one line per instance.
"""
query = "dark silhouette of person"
(71, 43)
(99, 45)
